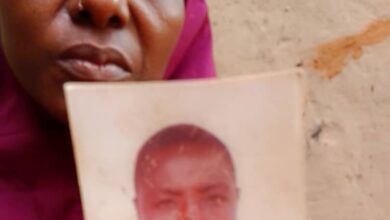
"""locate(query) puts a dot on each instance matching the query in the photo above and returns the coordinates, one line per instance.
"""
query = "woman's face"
(49, 42)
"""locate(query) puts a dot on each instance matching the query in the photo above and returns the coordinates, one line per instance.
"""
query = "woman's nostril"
(114, 21)
(84, 15)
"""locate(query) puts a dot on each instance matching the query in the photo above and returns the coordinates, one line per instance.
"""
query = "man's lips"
(91, 63)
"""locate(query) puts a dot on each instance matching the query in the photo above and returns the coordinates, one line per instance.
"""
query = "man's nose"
(100, 13)
(191, 211)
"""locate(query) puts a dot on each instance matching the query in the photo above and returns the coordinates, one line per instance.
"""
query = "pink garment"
(193, 57)
(37, 174)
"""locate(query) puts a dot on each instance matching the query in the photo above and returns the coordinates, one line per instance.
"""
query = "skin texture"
(36, 33)
(188, 180)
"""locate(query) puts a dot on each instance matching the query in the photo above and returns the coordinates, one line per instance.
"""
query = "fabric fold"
(37, 173)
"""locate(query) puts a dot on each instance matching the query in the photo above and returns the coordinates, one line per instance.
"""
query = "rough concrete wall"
(348, 116)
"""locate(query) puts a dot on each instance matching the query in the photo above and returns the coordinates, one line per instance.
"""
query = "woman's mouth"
(90, 63)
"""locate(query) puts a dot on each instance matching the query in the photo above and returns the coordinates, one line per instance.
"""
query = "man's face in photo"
(186, 182)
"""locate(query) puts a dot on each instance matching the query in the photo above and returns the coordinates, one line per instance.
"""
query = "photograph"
(225, 149)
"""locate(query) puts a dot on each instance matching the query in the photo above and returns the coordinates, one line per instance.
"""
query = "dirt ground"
(348, 116)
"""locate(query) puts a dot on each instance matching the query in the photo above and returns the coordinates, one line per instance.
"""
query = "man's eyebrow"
(215, 186)
(169, 191)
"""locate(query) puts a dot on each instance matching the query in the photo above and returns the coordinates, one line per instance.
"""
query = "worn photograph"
(225, 149)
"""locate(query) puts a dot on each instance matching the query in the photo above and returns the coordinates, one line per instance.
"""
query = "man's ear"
(238, 193)
(136, 205)
(135, 201)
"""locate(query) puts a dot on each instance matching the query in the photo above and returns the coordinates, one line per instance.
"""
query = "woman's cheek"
(171, 8)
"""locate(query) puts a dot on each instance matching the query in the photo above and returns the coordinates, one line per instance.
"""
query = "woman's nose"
(100, 13)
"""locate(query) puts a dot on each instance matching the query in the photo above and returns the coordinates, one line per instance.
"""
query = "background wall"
(348, 116)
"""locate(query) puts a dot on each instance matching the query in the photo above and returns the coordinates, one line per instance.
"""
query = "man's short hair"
(179, 135)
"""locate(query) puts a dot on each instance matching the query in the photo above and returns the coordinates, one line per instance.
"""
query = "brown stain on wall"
(332, 57)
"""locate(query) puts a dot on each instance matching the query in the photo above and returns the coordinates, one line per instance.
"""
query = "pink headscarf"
(37, 174)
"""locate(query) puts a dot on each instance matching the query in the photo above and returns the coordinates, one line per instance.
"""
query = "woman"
(47, 43)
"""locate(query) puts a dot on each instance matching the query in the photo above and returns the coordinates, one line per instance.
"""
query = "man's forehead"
(187, 148)
(182, 171)
(183, 155)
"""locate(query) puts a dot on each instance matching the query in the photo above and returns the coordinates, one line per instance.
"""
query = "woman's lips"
(90, 63)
